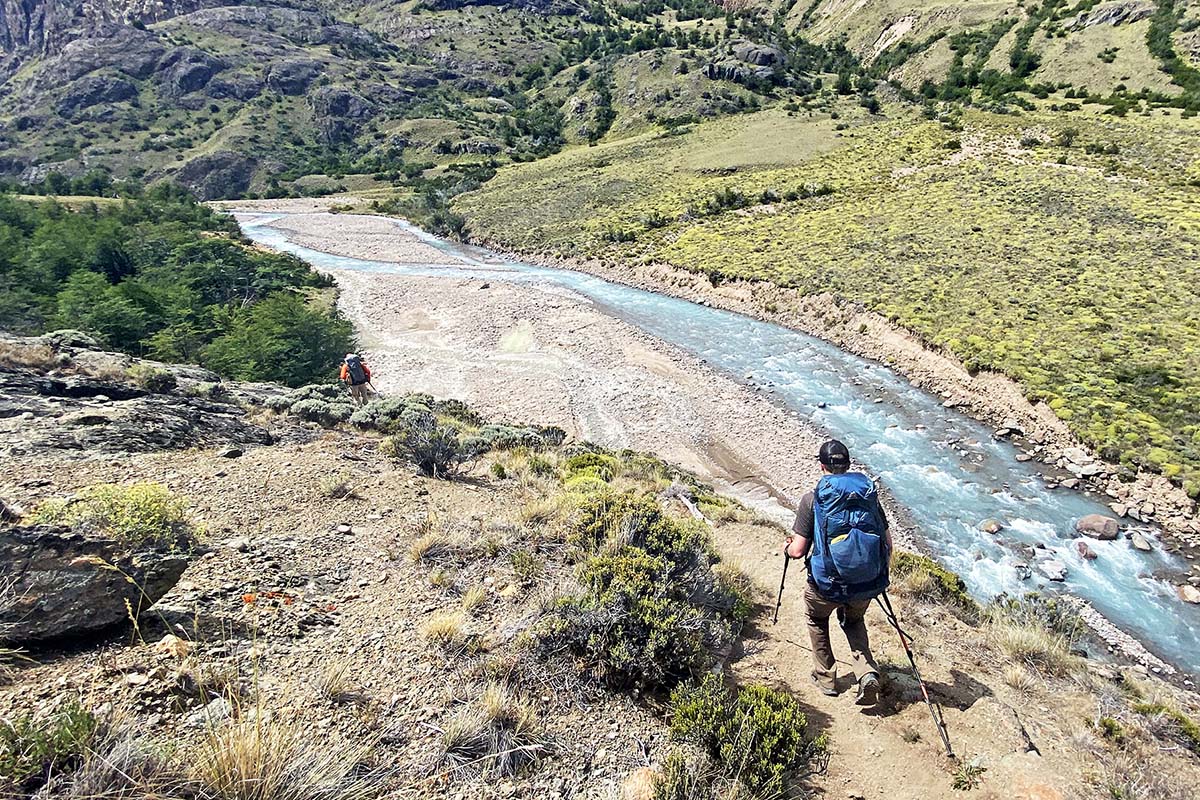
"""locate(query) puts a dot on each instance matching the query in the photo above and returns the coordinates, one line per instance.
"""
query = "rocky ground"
(306, 607)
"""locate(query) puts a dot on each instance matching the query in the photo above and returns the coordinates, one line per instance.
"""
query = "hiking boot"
(868, 690)
(825, 688)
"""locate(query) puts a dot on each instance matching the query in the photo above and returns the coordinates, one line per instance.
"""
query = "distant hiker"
(356, 373)
(842, 532)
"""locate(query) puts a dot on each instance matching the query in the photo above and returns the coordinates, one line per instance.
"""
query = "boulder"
(1085, 550)
(338, 113)
(1140, 542)
(1098, 526)
(66, 583)
(293, 77)
(760, 55)
(222, 175)
(991, 526)
(94, 90)
(186, 69)
(1188, 594)
(1053, 569)
(234, 87)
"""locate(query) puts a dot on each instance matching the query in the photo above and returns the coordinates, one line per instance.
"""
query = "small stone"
(240, 543)
(344, 528)
(991, 526)
(231, 452)
(1140, 542)
(218, 710)
(1188, 594)
(1071, 483)
(1085, 550)
(1120, 509)
(1023, 457)
(1053, 569)
(137, 679)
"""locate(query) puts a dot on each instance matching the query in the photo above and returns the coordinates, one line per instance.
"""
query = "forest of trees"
(164, 277)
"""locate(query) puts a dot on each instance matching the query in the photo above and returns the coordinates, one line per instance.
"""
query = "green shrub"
(651, 611)
(754, 734)
(138, 514)
(152, 379)
(32, 750)
(921, 576)
(434, 447)
(526, 565)
(281, 339)
(1185, 729)
(322, 412)
(498, 471)
(585, 484)
(390, 413)
(597, 465)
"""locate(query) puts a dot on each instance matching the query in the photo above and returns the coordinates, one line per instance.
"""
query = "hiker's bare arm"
(796, 546)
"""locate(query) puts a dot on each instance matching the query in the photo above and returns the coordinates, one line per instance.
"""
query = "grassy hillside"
(1062, 252)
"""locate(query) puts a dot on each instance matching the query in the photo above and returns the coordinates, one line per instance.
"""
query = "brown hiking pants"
(850, 617)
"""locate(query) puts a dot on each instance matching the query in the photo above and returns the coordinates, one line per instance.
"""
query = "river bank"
(1034, 429)
(540, 352)
(990, 397)
(460, 342)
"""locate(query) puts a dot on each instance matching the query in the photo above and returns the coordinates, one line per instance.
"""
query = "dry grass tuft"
(1034, 646)
(497, 736)
(28, 356)
(335, 683)
(278, 761)
(474, 597)
(446, 629)
(1019, 677)
(338, 486)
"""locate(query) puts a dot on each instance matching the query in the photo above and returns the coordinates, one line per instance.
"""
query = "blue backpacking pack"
(849, 558)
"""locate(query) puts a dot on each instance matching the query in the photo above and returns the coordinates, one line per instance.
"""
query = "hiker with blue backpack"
(842, 533)
(357, 375)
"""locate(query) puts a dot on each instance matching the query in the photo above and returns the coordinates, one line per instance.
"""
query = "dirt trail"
(531, 352)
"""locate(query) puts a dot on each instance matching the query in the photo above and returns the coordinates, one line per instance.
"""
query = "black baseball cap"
(835, 455)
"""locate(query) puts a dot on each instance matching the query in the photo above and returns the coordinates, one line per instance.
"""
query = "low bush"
(435, 448)
(152, 379)
(596, 465)
(1180, 726)
(137, 514)
(921, 576)
(32, 749)
(755, 735)
(651, 612)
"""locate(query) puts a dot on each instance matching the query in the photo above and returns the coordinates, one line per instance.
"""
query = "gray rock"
(759, 55)
(234, 87)
(338, 113)
(991, 526)
(216, 712)
(1053, 569)
(1085, 550)
(186, 69)
(222, 175)
(293, 77)
(1188, 594)
(1140, 542)
(231, 452)
(66, 583)
(94, 90)
(1098, 526)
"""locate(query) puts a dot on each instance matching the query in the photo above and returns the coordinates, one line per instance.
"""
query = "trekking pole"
(934, 710)
(779, 601)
